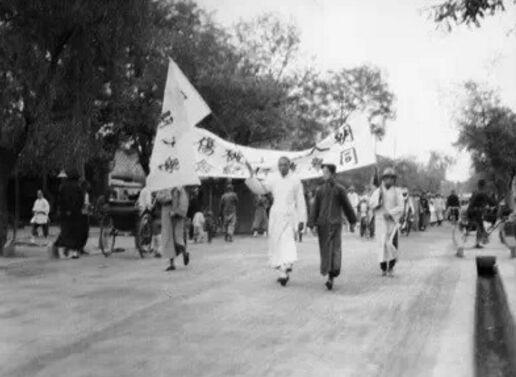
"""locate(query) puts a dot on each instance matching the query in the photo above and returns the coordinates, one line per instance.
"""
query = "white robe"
(288, 209)
(385, 229)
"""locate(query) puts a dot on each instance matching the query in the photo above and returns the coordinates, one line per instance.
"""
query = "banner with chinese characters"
(350, 147)
(173, 158)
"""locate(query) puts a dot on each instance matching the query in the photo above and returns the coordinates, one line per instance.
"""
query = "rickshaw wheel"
(107, 236)
(143, 235)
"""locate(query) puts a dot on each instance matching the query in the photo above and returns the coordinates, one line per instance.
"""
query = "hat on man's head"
(332, 168)
(389, 172)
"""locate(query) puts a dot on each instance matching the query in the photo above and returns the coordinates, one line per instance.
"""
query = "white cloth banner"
(350, 147)
(173, 156)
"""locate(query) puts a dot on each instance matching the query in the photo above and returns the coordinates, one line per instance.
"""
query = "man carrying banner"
(330, 201)
(387, 203)
(173, 214)
(287, 215)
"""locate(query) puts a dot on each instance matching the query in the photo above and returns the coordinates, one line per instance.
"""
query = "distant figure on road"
(387, 202)
(228, 212)
(40, 209)
(287, 215)
(261, 220)
(174, 208)
(424, 212)
(199, 222)
(452, 207)
(353, 200)
(330, 201)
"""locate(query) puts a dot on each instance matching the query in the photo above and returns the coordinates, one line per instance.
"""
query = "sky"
(423, 65)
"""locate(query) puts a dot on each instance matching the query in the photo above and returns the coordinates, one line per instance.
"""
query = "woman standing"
(174, 210)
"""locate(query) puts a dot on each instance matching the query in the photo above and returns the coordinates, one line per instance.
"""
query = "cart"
(120, 215)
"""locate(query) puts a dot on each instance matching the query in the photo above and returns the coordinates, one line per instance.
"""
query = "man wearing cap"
(330, 201)
(388, 204)
(287, 215)
(228, 212)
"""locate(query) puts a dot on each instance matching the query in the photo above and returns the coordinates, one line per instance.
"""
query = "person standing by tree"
(70, 204)
(41, 209)
(228, 212)
(85, 216)
(387, 203)
(287, 215)
(326, 216)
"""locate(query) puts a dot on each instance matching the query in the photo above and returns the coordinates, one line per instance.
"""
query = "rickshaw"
(120, 214)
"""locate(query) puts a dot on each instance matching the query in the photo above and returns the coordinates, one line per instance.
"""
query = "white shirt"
(41, 209)
(287, 192)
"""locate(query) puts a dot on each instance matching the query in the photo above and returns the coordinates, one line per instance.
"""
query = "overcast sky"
(424, 66)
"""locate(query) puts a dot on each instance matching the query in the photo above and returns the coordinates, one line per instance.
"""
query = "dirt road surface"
(225, 315)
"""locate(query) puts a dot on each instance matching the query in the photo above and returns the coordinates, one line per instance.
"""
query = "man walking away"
(228, 212)
(477, 204)
(452, 207)
(288, 214)
(330, 202)
(387, 203)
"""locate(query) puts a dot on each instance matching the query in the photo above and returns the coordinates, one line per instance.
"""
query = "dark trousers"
(44, 227)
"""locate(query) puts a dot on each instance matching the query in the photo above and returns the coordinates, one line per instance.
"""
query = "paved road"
(225, 315)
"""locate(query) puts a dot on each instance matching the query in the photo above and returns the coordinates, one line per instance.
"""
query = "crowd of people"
(282, 214)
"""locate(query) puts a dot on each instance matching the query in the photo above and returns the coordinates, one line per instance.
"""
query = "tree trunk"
(6, 166)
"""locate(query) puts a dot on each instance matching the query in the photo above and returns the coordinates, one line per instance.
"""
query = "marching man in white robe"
(388, 204)
(287, 215)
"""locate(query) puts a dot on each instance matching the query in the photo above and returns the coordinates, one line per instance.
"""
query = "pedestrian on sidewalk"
(228, 212)
(174, 209)
(387, 203)
(40, 219)
(287, 215)
(331, 201)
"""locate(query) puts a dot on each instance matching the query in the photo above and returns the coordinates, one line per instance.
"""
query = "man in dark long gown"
(330, 200)
(70, 203)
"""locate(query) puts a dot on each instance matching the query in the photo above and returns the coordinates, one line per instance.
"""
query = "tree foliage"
(469, 12)
(487, 129)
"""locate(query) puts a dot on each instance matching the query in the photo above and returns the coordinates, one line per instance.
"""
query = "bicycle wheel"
(107, 236)
(143, 235)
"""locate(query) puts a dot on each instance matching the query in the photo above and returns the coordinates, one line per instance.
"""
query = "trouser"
(229, 224)
(44, 227)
